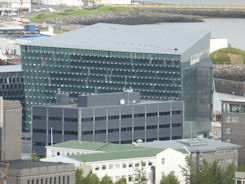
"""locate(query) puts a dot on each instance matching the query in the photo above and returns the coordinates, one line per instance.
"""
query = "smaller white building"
(62, 2)
(216, 44)
(117, 161)
(116, 2)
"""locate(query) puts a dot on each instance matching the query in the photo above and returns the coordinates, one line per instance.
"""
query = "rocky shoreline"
(147, 16)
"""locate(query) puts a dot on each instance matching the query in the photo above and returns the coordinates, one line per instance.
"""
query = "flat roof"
(26, 164)
(140, 103)
(154, 38)
(203, 145)
(10, 68)
(236, 100)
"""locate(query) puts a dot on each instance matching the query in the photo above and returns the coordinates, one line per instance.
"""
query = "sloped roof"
(192, 145)
(117, 155)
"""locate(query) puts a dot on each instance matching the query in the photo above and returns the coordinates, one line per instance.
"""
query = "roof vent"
(197, 142)
(139, 141)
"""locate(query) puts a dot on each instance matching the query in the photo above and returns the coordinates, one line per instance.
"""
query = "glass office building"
(12, 84)
(102, 58)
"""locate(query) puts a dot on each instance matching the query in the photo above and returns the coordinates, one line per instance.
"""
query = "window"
(110, 166)
(124, 165)
(143, 164)
(87, 119)
(137, 165)
(151, 127)
(46, 180)
(163, 174)
(113, 117)
(228, 130)
(117, 166)
(164, 113)
(126, 116)
(68, 179)
(28, 181)
(130, 165)
(100, 118)
(176, 112)
(149, 163)
(37, 181)
(32, 181)
(152, 114)
(113, 130)
(117, 178)
(71, 119)
(54, 118)
(103, 167)
(97, 168)
(50, 180)
(139, 128)
(130, 178)
(220, 162)
(126, 129)
(139, 115)
(177, 125)
(54, 180)
(163, 161)
(164, 126)
(100, 131)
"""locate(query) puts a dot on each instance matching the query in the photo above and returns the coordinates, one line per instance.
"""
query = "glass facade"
(155, 76)
(12, 87)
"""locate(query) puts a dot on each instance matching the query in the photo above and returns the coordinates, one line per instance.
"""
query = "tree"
(121, 181)
(170, 179)
(242, 168)
(140, 175)
(79, 176)
(106, 180)
(207, 173)
(91, 178)
(35, 156)
(229, 174)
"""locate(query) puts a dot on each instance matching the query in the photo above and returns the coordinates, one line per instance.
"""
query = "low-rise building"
(233, 125)
(108, 117)
(210, 150)
(239, 177)
(30, 172)
(117, 161)
(10, 130)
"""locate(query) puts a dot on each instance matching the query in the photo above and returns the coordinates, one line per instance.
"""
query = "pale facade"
(156, 165)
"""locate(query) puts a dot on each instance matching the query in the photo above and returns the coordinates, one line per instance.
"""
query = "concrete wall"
(41, 174)
(116, 124)
(11, 130)
(173, 161)
(233, 129)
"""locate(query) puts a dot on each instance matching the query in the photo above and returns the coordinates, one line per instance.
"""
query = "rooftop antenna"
(51, 136)
(125, 82)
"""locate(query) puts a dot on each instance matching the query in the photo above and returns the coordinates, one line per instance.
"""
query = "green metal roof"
(115, 155)
(110, 151)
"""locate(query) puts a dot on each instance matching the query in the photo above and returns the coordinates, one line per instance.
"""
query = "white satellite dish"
(122, 101)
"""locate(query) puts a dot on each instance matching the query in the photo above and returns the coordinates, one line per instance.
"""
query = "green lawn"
(76, 12)
(221, 56)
